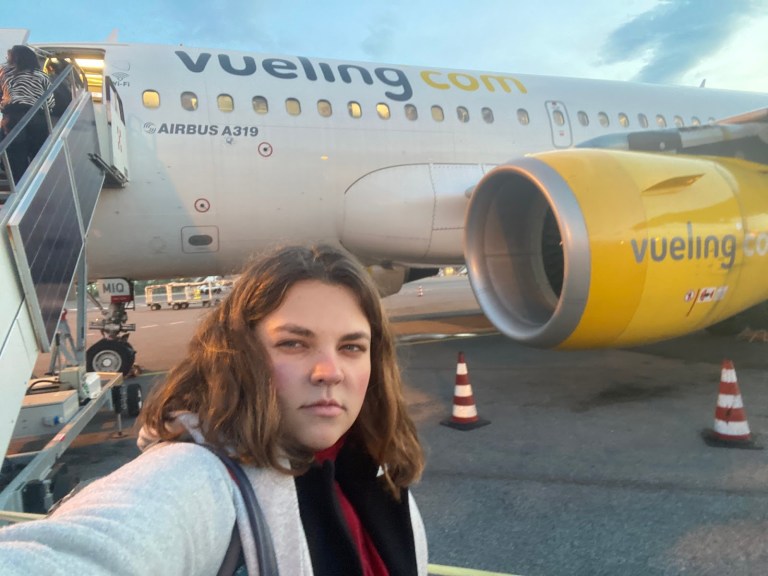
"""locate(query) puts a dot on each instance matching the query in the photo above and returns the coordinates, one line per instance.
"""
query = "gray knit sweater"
(169, 511)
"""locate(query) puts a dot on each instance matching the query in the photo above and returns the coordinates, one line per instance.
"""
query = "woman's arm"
(170, 511)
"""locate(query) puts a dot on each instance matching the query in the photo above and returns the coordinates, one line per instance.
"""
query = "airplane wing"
(760, 115)
(743, 136)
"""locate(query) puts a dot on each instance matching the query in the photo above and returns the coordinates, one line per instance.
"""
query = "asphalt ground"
(593, 462)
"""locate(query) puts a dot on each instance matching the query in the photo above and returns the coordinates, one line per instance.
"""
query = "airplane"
(589, 213)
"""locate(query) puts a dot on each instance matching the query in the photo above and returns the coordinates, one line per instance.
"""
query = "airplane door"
(559, 124)
(117, 132)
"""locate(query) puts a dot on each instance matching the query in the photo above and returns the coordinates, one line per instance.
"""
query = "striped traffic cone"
(464, 415)
(731, 429)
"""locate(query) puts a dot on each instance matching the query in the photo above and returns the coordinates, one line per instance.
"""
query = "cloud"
(676, 35)
(380, 39)
(234, 24)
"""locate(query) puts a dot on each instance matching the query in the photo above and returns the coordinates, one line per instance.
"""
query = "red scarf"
(372, 563)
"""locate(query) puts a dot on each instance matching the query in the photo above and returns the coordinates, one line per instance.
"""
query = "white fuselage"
(247, 179)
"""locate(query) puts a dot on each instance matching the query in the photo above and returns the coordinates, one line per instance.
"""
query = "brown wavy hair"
(225, 377)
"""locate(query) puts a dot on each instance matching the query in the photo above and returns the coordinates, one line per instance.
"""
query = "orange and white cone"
(731, 428)
(464, 415)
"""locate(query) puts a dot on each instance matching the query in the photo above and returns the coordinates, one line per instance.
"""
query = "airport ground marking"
(439, 570)
(416, 339)
(155, 373)
(15, 517)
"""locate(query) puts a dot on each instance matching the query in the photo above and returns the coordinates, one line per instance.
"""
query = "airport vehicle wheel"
(133, 400)
(110, 356)
(155, 306)
(118, 399)
(176, 306)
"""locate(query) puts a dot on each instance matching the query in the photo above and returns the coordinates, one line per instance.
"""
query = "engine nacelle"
(588, 248)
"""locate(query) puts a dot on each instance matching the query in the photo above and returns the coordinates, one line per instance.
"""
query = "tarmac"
(593, 462)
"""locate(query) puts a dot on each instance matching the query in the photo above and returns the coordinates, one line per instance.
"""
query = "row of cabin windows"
(226, 103)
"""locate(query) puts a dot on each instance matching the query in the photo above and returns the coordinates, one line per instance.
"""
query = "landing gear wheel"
(110, 356)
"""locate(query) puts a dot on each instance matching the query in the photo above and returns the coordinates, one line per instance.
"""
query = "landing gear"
(113, 353)
(109, 355)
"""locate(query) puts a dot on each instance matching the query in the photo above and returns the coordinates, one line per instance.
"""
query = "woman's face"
(319, 343)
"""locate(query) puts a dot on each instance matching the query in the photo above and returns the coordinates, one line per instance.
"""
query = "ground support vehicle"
(180, 295)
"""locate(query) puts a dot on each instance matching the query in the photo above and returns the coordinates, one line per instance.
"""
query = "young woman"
(22, 83)
(294, 375)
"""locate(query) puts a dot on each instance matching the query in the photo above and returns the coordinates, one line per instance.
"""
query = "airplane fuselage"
(230, 152)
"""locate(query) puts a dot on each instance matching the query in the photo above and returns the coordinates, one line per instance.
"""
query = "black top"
(387, 521)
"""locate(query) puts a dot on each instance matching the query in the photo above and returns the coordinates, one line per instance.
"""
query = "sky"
(685, 42)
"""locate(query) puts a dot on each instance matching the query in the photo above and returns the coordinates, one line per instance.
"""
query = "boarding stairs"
(45, 215)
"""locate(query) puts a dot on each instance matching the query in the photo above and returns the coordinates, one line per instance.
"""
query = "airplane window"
(558, 117)
(411, 113)
(324, 108)
(603, 118)
(522, 116)
(354, 110)
(463, 114)
(643, 119)
(260, 105)
(583, 118)
(226, 102)
(189, 100)
(383, 111)
(487, 115)
(437, 114)
(292, 106)
(678, 122)
(695, 121)
(661, 122)
(623, 120)
(151, 98)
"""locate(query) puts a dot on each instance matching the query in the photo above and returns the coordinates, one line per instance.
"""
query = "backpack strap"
(265, 550)
(233, 558)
